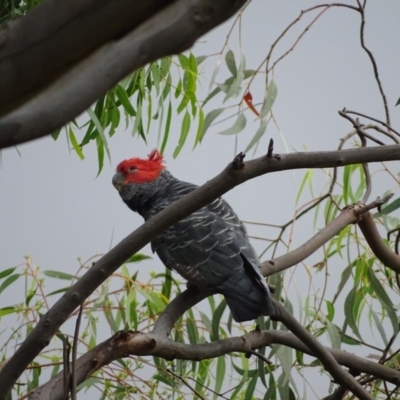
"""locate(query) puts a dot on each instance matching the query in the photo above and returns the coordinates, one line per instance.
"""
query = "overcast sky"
(53, 208)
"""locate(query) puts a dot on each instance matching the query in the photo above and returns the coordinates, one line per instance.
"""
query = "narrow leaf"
(100, 129)
(7, 272)
(184, 134)
(269, 99)
(167, 128)
(217, 319)
(199, 128)
(58, 275)
(8, 281)
(137, 257)
(75, 144)
(219, 379)
(124, 99)
(230, 62)
(237, 127)
(210, 118)
(260, 132)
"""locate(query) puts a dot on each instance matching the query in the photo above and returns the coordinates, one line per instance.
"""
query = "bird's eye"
(132, 168)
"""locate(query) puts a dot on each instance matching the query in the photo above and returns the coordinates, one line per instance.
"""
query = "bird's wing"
(208, 246)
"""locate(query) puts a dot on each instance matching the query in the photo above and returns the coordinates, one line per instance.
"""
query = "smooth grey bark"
(51, 78)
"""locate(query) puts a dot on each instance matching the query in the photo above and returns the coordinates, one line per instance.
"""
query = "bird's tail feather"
(250, 306)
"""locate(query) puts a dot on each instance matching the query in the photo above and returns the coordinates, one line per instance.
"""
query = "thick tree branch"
(170, 30)
(51, 30)
(388, 257)
(136, 343)
(40, 337)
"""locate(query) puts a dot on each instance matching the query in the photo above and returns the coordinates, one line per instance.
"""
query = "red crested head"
(139, 170)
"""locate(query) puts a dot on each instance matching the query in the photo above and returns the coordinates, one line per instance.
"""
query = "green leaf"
(184, 134)
(199, 128)
(206, 321)
(100, 154)
(343, 280)
(56, 134)
(100, 129)
(348, 340)
(384, 298)
(250, 388)
(397, 102)
(394, 205)
(334, 335)
(228, 82)
(153, 298)
(331, 310)
(167, 284)
(260, 132)
(210, 118)
(230, 62)
(7, 272)
(220, 375)
(379, 326)
(237, 127)
(8, 281)
(124, 99)
(346, 183)
(200, 59)
(58, 291)
(137, 258)
(167, 128)
(216, 320)
(7, 310)
(378, 288)
(234, 89)
(306, 178)
(350, 312)
(213, 77)
(269, 99)
(138, 119)
(192, 331)
(59, 275)
(75, 144)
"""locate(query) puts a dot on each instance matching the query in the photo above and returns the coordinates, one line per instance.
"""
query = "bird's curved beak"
(118, 180)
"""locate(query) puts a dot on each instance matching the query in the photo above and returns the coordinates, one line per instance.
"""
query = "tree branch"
(328, 361)
(136, 343)
(387, 257)
(171, 30)
(345, 218)
(40, 337)
(349, 215)
(51, 29)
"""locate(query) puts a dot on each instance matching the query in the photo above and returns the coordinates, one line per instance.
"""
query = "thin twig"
(361, 10)
(361, 134)
(66, 366)
(338, 394)
(374, 119)
(388, 346)
(207, 388)
(74, 354)
(260, 356)
(186, 384)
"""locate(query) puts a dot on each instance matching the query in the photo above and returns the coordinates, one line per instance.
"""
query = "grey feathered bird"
(209, 248)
